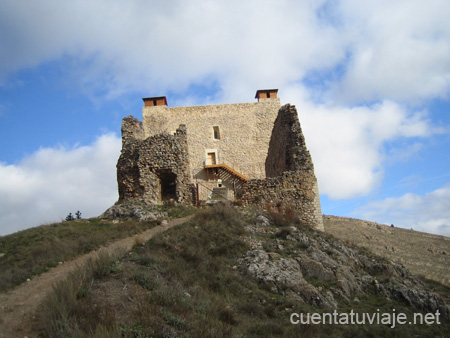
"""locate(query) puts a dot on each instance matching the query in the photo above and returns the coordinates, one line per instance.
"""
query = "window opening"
(216, 132)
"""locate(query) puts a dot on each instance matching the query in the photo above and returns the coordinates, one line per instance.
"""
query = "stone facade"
(256, 149)
(242, 141)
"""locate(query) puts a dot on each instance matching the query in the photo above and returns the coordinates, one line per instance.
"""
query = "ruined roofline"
(161, 101)
(266, 101)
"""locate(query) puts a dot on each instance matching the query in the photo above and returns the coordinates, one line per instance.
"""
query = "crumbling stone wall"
(157, 165)
(290, 181)
(287, 147)
(154, 168)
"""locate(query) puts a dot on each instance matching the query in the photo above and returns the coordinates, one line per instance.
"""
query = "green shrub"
(144, 280)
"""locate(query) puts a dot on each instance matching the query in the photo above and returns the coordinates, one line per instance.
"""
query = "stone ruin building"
(252, 152)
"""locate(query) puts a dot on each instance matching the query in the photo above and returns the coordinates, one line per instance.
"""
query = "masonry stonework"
(257, 150)
(153, 169)
(244, 128)
(290, 182)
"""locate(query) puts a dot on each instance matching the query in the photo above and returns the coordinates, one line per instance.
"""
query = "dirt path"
(18, 306)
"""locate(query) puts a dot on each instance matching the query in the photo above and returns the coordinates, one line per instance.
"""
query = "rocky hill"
(423, 254)
(241, 273)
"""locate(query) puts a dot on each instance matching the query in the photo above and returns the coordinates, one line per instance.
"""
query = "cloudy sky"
(370, 79)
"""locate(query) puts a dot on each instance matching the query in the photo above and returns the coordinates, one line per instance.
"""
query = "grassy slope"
(34, 251)
(422, 253)
(187, 282)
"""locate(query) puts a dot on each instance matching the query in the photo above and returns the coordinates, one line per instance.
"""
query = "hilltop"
(237, 272)
(422, 253)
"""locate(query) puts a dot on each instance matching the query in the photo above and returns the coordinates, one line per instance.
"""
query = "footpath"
(18, 306)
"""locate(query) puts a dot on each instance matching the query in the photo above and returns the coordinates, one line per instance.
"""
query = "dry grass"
(186, 282)
(179, 284)
(34, 251)
(422, 253)
(69, 311)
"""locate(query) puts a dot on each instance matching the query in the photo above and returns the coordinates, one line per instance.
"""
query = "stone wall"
(290, 182)
(287, 147)
(245, 130)
(155, 168)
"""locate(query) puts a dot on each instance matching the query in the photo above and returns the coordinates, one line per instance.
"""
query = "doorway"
(211, 159)
(168, 182)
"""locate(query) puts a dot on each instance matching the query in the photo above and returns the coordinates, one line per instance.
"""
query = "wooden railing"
(230, 166)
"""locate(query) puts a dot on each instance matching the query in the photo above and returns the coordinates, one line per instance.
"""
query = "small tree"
(69, 217)
(78, 214)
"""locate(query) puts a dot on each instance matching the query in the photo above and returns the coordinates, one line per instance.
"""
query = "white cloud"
(347, 144)
(429, 213)
(386, 50)
(52, 182)
(398, 50)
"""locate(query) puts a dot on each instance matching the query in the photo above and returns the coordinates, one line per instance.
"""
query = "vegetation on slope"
(189, 282)
(34, 251)
(421, 253)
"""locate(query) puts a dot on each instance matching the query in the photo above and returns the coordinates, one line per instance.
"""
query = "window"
(216, 133)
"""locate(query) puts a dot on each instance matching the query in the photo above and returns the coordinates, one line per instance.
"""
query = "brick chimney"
(155, 101)
(266, 94)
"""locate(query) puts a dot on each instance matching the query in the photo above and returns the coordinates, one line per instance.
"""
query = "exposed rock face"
(290, 182)
(320, 270)
(134, 209)
(153, 169)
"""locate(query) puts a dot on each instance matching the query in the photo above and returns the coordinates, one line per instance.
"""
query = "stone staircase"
(219, 194)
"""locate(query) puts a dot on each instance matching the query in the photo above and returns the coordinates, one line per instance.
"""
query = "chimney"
(266, 94)
(155, 101)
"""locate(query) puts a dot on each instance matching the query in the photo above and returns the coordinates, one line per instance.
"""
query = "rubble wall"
(148, 168)
(290, 182)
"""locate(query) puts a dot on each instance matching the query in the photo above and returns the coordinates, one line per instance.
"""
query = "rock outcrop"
(320, 270)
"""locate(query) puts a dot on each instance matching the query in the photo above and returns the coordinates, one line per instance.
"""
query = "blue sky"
(371, 82)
